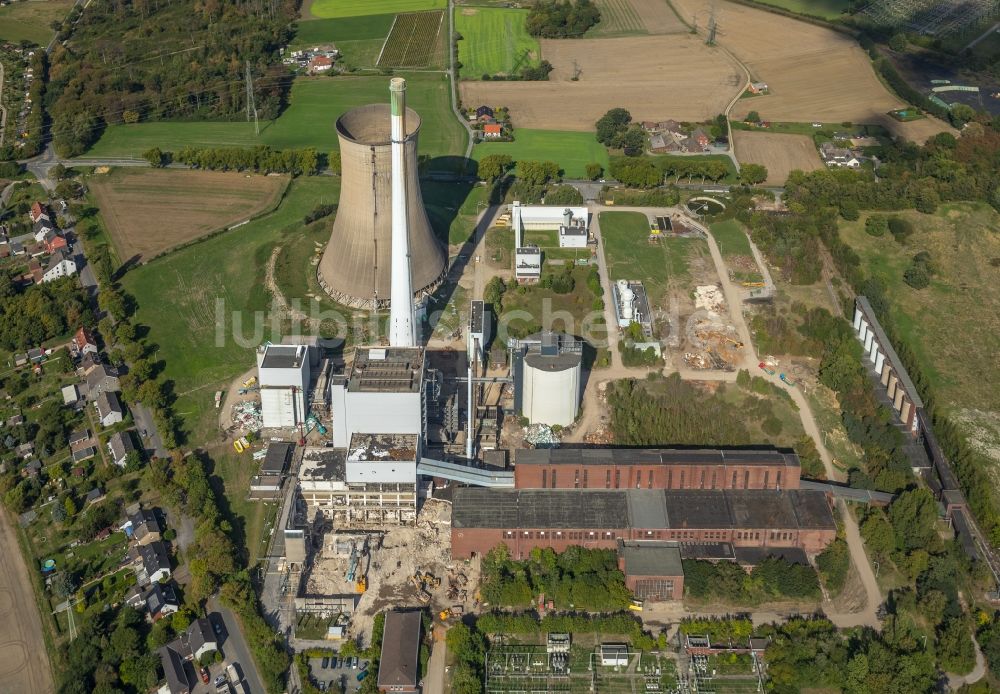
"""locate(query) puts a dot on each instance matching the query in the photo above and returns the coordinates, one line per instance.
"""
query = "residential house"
(701, 137)
(670, 126)
(20, 359)
(660, 144)
(101, 379)
(320, 64)
(41, 228)
(174, 671)
(54, 242)
(650, 126)
(492, 131)
(70, 394)
(26, 450)
(143, 526)
(160, 600)
(94, 496)
(38, 212)
(36, 355)
(109, 408)
(82, 445)
(4, 249)
(60, 265)
(33, 468)
(839, 157)
(88, 363)
(485, 114)
(757, 88)
(16, 247)
(399, 664)
(152, 563)
(120, 445)
(15, 420)
(84, 342)
(201, 638)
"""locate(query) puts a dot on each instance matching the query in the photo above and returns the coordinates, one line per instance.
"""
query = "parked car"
(220, 680)
(203, 673)
(363, 674)
(354, 663)
(326, 662)
(335, 662)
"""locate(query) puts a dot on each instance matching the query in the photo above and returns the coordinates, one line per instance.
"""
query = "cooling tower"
(356, 268)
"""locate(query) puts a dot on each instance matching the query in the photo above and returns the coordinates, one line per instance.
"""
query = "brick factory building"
(524, 519)
(659, 468)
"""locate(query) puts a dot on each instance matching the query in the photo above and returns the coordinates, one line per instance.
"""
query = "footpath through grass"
(571, 150)
(315, 105)
(494, 41)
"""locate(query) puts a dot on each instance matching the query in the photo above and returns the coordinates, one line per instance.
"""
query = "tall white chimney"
(402, 325)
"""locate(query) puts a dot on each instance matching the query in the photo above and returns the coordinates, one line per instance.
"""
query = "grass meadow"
(494, 41)
(731, 238)
(315, 104)
(571, 150)
(328, 9)
(824, 9)
(963, 298)
(29, 21)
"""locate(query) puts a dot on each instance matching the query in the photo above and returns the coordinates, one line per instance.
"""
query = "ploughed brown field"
(814, 73)
(149, 211)
(654, 77)
(779, 153)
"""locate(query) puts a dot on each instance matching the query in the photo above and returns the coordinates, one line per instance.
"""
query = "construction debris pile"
(541, 436)
(246, 415)
(714, 341)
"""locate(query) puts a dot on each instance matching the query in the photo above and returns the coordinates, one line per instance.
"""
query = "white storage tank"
(550, 380)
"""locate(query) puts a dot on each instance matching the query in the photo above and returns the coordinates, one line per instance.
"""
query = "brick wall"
(697, 476)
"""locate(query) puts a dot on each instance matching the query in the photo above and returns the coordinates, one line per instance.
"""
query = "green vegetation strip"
(572, 151)
(327, 9)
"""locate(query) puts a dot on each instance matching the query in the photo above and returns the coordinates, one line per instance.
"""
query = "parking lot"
(328, 671)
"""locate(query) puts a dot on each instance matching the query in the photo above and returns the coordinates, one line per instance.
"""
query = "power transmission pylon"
(710, 41)
(251, 104)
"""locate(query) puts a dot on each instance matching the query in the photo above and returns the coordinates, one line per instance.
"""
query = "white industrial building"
(527, 264)
(573, 237)
(632, 306)
(382, 458)
(539, 217)
(547, 377)
(382, 394)
(283, 375)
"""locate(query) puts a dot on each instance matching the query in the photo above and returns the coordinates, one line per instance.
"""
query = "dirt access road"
(24, 663)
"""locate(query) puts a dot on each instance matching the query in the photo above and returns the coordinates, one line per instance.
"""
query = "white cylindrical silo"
(551, 387)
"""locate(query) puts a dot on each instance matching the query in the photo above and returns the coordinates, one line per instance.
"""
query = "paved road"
(144, 423)
(24, 663)
(235, 648)
(453, 86)
(435, 680)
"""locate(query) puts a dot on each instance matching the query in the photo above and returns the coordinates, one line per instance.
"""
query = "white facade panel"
(390, 472)
(879, 362)
(279, 407)
(869, 338)
(857, 318)
(384, 413)
(551, 397)
(338, 412)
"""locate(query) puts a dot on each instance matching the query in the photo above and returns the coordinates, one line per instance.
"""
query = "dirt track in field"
(814, 73)
(654, 77)
(149, 211)
(780, 153)
(24, 663)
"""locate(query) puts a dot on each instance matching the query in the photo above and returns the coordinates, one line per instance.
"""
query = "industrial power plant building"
(356, 266)
(547, 369)
(525, 519)
(283, 373)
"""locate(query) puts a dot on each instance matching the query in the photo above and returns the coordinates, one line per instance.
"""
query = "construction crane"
(353, 566)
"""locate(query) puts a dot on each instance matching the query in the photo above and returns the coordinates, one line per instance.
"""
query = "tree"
(58, 172)
(752, 174)
(494, 166)
(878, 534)
(913, 515)
(900, 228)
(898, 42)
(876, 225)
(594, 171)
(69, 190)
(493, 293)
(155, 157)
(752, 117)
(634, 141)
(537, 172)
(70, 506)
(563, 195)
(612, 125)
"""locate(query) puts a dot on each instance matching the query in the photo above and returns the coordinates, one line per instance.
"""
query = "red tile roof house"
(320, 64)
(83, 342)
(492, 130)
(38, 212)
(53, 242)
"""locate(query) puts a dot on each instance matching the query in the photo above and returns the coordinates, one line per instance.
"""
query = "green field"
(30, 20)
(417, 40)
(963, 298)
(494, 41)
(327, 9)
(824, 9)
(220, 276)
(731, 238)
(618, 18)
(629, 255)
(347, 29)
(316, 103)
(571, 150)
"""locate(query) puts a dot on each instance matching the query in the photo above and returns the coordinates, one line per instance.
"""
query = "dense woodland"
(152, 60)
(560, 19)
(728, 582)
(30, 316)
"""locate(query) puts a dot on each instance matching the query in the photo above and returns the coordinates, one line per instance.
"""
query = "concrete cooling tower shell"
(356, 265)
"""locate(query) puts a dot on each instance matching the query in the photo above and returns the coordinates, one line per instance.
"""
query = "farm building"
(757, 88)
(492, 131)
